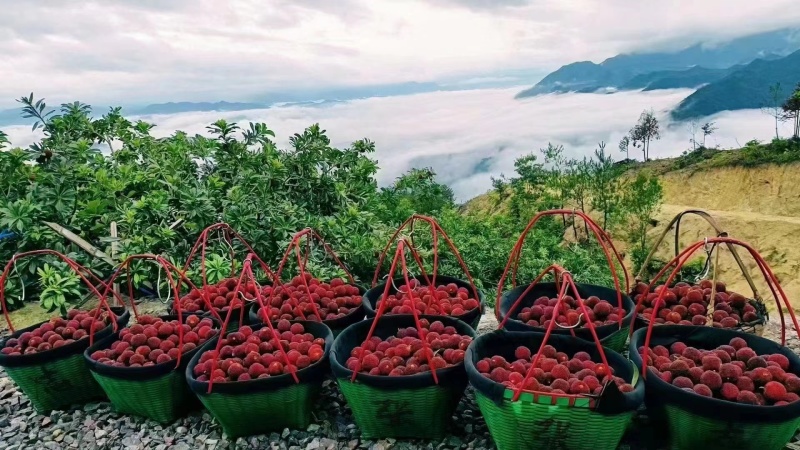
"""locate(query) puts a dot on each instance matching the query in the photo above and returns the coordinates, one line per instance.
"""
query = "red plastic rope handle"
(201, 245)
(567, 282)
(248, 276)
(76, 267)
(436, 230)
(603, 239)
(399, 256)
(554, 268)
(294, 246)
(169, 268)
(766, 271)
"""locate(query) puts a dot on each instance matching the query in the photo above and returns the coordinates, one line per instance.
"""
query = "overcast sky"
(113, 52)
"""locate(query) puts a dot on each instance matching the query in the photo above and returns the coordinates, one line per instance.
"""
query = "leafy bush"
(88, 172)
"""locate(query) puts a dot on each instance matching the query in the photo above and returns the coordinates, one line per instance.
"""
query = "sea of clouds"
(467, 137)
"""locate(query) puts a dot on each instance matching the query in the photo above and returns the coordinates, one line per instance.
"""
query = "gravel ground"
(97, 426)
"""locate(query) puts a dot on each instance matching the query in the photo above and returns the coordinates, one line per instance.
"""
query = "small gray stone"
(285, 433)
(99, 433)
(181, 430)
(313, 445)
(313, 428)
(46, 421)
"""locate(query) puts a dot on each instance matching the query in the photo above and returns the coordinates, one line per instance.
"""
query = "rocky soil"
(97, 426)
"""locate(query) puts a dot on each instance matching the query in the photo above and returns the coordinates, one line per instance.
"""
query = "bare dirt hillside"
(759, 205)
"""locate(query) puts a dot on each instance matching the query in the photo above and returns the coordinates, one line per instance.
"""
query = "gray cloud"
(115, 51)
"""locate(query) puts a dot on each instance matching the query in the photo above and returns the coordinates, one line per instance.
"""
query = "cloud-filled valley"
(469, 136)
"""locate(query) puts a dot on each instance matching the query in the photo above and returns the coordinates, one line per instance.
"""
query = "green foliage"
(57, 288)
(642, 199)
(644, 132)
(88, 172)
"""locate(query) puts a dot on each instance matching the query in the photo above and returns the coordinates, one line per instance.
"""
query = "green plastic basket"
(407, 407)
(159, 392)
(540, 422)
(57, 378)
(527, 424)
(472, 318)
(261, 406)
(405, 413)
(612, 336)
(336, 325)
(697, 422)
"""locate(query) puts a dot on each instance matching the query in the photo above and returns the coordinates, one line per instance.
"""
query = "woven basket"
(260, 406)
(158, 392)
(697, 422)
(336, 325)
(542, 421)
(59, 377)
(611, 336)
(472, 317)
(411, 406)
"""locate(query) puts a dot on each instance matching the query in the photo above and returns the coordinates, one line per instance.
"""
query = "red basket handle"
(302, 260)
(202, 241)
(169, 268)
(399, 256)
(567, 282)
(603, 239)
(76, 267)
(436, 230)
(248, 276)
(766, 271)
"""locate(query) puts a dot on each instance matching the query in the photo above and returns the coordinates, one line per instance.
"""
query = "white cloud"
(112, 52)
(470, 136)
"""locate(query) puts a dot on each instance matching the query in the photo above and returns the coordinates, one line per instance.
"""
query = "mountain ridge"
(613, 72)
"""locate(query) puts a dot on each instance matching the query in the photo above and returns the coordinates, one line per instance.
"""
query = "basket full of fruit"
(215, 299)
(704, 301)
(546, 390)
(531, 307)
(429, 293)
(336, 302)
(262, 378)
(402, 375)
(442, 296)
(141, 367)
(720, 388)
(46, 359)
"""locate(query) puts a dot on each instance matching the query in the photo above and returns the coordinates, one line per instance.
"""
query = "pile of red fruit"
(246, 354)
(404, 354)
(731, 372)
(601, 312)
(222, 296)
(686, 304)
(555, 372)
(154, 341)
(57, 332)
(444, 299)
(292, 300)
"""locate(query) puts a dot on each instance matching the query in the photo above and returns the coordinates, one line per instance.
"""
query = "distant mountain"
(745, 88)
(179, 107)
(586, 76)
(676, 79)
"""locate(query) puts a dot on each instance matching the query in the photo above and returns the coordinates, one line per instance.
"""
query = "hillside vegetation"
(752, 192)
(89, 171)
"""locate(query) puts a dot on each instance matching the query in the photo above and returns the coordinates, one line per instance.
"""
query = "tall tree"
(642, 200)
(606, 186)
(645, 131)
(791, 111)
(625, 145)
(772, 105)
(708, 129)
(692, 127)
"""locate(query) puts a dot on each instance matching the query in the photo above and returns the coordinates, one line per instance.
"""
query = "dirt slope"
(758, 205)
